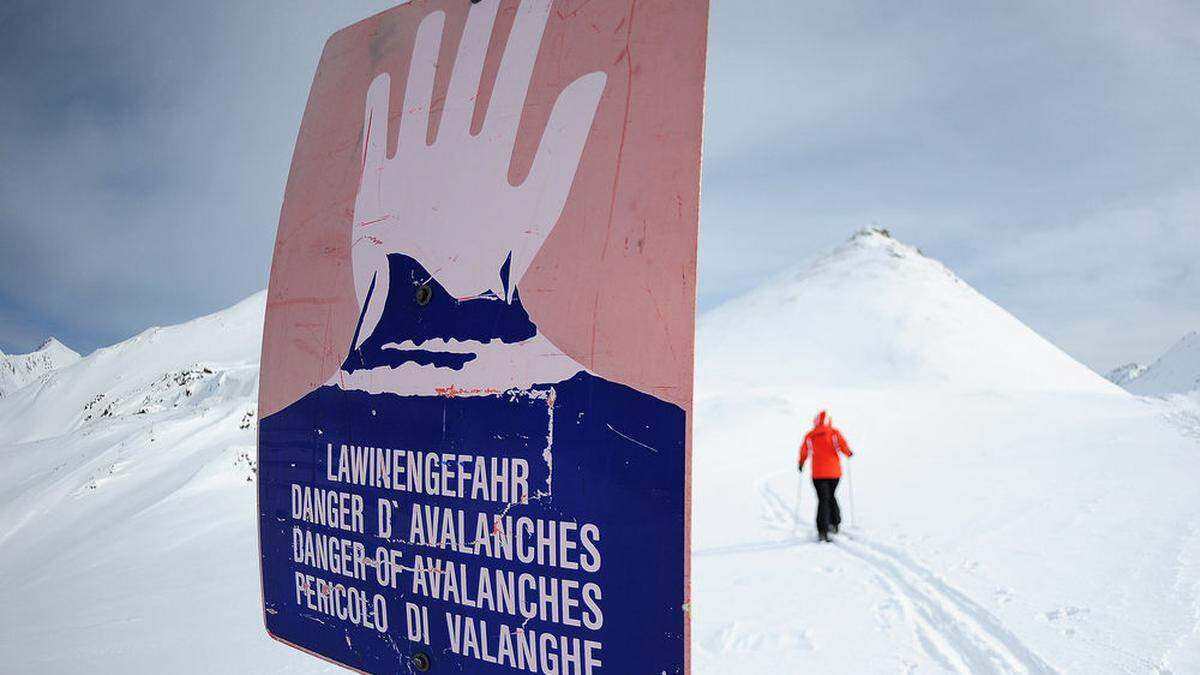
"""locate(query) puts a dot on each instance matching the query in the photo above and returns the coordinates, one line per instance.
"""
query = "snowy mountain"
(127, 529)
(18, 370)
(1123, 375)
(1175, 372)
(876, 311)
(1007, 510)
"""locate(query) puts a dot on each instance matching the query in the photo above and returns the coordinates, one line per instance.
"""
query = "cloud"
(1117, 285)
(1007, 140)
(146, 146)
(1045, 151)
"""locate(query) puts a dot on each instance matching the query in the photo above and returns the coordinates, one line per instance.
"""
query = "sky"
(1049, 153)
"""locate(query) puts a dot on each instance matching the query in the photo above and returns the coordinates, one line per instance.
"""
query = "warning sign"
(477, 360)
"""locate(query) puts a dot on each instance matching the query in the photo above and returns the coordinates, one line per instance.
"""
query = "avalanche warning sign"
(477, 360)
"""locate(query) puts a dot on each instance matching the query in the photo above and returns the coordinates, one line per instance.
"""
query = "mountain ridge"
(1177, 371)
(20, 370)
(982, 456)
(876, 311)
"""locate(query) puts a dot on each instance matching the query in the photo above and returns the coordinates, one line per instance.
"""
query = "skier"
(824, 442)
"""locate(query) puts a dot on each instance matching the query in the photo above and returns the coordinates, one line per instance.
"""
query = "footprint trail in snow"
(956, 632)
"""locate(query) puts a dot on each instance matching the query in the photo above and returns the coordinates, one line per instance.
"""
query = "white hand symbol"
(450, 205)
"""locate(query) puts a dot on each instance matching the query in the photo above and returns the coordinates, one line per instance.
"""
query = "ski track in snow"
(1186, 419)
(970, 635)
(955, 631)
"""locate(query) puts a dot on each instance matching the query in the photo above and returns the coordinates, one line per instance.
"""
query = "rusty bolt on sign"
(421, 661)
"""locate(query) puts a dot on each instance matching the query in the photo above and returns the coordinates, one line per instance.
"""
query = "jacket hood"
(822, 421)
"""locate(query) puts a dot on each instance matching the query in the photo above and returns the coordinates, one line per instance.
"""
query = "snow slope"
(1176, 372)
(1011, 511)
(18, 370)
(877, 311)
(127, 531)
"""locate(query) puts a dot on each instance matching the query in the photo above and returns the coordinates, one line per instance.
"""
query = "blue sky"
(1047, 152)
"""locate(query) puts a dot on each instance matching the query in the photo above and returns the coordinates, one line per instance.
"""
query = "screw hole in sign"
(424, 294)
(421, 661)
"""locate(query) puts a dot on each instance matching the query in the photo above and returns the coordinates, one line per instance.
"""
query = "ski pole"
(850, 484)
(796, 514)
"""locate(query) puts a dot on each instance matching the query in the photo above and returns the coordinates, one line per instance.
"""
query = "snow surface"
(18, 370)
(127, 526)
(1176, 372)
(1008, 511)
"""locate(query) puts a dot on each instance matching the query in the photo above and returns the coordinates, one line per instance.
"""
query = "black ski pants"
(828, 512)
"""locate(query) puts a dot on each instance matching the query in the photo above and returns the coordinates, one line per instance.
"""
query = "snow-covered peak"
(18, 370)
(126, 473)
(215, 354)
(877, 236)
(877, 312)
(51, 344)
(1175, 372)
(874, 239)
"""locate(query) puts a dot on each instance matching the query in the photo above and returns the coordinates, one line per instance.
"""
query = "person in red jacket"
(825, 443)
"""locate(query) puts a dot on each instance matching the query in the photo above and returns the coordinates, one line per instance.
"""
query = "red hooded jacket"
(824, 443)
